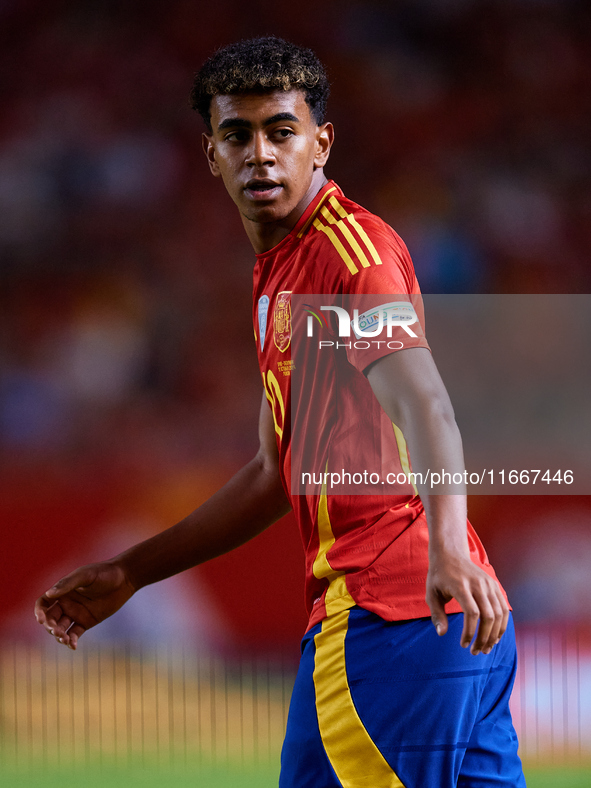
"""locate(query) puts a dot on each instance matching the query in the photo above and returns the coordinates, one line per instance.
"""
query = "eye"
(236, 136)
(284, 133)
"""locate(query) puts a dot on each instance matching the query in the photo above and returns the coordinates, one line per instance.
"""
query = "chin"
(266, 214)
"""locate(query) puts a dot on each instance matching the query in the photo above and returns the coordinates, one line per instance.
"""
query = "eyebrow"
(246, 124)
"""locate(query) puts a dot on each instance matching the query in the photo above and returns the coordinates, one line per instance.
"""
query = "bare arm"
(252, 500)
(410, 390)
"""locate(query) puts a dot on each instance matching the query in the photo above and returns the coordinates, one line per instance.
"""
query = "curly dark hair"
(261, 64)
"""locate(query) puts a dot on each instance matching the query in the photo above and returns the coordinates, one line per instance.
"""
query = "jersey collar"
(306, 219)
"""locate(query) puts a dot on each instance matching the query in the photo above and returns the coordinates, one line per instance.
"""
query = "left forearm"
(435, 448)
(411, 392)
(419, 405)
(434, 440)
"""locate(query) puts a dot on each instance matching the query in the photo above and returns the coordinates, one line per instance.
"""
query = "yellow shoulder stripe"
(315, 211)
(353, 221)
(345, 256)
(348, 235)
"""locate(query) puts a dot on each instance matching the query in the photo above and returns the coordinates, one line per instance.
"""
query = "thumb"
(79, 578)
(438, 614)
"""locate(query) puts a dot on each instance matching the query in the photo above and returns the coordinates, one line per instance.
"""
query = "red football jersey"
(369, 547)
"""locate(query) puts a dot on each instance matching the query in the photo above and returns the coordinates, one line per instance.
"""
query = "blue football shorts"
(391, 704)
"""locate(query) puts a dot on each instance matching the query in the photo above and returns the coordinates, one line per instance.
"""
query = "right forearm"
(252, 500)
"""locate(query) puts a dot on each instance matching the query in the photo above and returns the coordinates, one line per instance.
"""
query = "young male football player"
(380, 699)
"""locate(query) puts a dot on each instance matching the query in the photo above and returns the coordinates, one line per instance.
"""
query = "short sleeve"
(383, 298)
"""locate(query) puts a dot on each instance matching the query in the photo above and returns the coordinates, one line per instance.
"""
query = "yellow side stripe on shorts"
(350, 749)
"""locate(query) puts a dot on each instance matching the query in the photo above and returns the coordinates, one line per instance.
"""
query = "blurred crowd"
(125, 328)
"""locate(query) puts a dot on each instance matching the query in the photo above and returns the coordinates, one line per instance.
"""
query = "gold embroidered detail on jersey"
(286, 367)
(344, 231)
(282, 321)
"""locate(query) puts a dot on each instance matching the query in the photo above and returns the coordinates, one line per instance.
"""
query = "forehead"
(256, 107)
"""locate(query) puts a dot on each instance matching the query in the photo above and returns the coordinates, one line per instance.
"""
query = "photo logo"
(369, 324)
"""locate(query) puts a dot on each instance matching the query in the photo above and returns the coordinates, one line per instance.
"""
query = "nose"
(260, 151)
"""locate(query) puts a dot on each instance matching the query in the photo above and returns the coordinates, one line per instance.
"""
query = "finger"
(487, 620)
(62, 627)
(40, 610)
(74, 633)
(504, 617)
(438, 614)
(79, 578)
(505, 624)
(493, 608)
(48, 613)
(42, 605)
(471, 615)
(497, 627)
(485, 596)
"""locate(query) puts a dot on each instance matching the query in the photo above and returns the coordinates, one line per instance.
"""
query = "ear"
(324, 140)
(208, 146)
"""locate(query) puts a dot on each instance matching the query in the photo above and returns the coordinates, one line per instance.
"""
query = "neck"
(265, 235)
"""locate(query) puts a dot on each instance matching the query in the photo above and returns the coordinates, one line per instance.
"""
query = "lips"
(262, 188)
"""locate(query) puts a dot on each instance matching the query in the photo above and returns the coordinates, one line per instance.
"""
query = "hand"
(479, 595)
(82, 600)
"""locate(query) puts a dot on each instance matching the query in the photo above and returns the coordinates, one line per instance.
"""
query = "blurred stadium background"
(129, 386)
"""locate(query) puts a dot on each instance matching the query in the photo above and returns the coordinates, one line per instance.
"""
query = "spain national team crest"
(282, 321)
